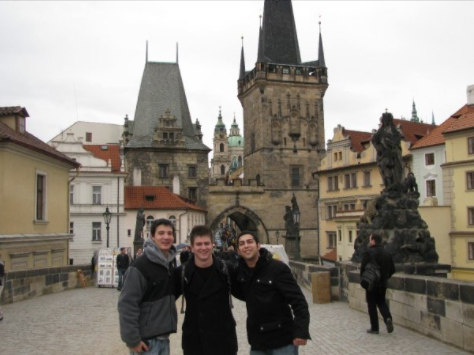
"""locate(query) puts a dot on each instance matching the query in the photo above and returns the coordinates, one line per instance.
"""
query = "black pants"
(376, 298)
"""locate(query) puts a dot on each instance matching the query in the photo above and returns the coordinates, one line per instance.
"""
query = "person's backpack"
(371, 275)
(225, 271)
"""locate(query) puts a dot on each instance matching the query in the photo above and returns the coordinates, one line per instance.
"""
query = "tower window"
(88, 136)
(222, 170)
(163, 170)
(221, 147)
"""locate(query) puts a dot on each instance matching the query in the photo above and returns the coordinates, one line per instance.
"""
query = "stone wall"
(438, 307)
(21, 285)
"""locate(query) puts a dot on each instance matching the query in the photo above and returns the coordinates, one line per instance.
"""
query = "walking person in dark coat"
(277, 311)
(376, 297)
(123, 262)
(209, 326)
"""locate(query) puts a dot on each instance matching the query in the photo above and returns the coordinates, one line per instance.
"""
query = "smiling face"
(202, 247)
(163, 238)
(248, 249)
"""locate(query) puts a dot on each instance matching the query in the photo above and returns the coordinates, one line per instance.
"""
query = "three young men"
(147, 303)
(277, 311)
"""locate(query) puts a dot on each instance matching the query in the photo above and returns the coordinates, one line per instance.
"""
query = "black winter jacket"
(209, 326)
(272, 297)
(123, 261)
(383, 259)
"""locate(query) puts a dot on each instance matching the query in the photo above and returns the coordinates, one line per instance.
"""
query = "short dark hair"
(252, 233)
(164, 222)
(200, 231)
(122, 249)
(377, 238)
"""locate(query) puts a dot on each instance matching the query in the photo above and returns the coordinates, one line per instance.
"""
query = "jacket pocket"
(268, 327)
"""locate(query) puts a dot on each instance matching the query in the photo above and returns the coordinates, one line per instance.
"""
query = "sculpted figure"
(389, 153)
(140, 223)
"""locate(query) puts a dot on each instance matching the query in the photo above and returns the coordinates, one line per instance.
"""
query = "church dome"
(235, 141)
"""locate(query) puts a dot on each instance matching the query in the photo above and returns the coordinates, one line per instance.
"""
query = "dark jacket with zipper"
(272, 297)
(147, 303)
(383, 259)
(209, 326)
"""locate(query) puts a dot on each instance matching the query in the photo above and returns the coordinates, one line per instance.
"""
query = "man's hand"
(140, 348)
(299, 341)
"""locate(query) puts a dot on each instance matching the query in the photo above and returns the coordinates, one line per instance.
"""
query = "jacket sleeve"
(235, 285)
(365, 260)
(392, 267)
(134, 287)
(293, 295)
(178, 281)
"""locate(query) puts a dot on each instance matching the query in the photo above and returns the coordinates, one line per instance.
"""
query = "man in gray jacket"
(147, 304)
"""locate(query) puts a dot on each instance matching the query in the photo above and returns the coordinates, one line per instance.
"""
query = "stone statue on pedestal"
(140, 223)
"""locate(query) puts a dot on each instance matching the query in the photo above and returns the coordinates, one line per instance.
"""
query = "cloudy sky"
(69, 61)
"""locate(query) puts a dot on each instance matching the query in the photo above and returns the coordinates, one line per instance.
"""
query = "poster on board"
(107, 275)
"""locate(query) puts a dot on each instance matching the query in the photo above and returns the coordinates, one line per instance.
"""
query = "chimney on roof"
(470, 95)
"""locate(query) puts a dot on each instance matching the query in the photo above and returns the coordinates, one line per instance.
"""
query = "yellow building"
(349, 179)
(34, 190)
(458, 176)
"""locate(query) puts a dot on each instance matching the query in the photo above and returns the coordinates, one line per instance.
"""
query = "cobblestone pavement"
(85, 321)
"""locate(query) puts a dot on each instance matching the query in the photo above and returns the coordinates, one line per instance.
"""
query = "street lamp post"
(107, 218)
(277, 235)
(296, 220)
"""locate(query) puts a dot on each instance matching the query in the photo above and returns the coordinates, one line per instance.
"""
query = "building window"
(173, 220)
(295, 176)
(71, 227)
(40, 197)
(222, 170)
(71, 194)
(339, 234)
(331, 211)
(470, 216)
(354, 180)
(349, 206)
(88, 136)
(430, 188)
(470, 250)
(21, 124)
(350, 237)
(286, 70)
(331, 240)
(333, 183)
(171, 135)
(350, 181)
(470, 180)
(163, 170)
(335, 156)
(165, 135)
(221, 147)
(340, 155)
(96, 195)
(96, 231)
(366, 178)
(470, 145)
(429, 159)
(149, 222)
(129, 232)
(192, 171)
(192, 193)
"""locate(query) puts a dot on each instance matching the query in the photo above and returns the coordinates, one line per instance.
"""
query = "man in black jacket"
(209, 326)
(123, 262)
(376, 297)
(277, 311)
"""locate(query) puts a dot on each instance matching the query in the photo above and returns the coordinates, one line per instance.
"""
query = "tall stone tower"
(221, 158)
(282, 100)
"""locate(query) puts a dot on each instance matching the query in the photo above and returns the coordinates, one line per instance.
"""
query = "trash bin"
(321, 286)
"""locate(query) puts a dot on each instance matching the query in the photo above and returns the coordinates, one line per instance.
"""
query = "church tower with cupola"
(221, 159)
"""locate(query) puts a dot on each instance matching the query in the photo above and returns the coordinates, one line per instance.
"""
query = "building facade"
(99, 185)
(34, 190)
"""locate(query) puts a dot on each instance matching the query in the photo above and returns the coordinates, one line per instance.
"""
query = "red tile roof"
(460, 120)
(332, 255)
(27, 140)
(357, 137)
(163, 199)
(111, 152)
(465, 120)
(413, 131)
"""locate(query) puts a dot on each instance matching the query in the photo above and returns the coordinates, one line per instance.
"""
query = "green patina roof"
(235, 141)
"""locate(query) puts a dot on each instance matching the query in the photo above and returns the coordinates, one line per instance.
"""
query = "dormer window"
(21, 124)
(150, 198)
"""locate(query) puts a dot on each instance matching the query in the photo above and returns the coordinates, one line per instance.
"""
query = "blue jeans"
(156, 347)
(121, 272)
(286, 350)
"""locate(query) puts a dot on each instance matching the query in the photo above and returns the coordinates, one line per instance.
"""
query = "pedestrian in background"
(205, 284)
(277, 311)
(139, 253)
(376, 297)
(2, 283)
(147, 303)
(123, 262)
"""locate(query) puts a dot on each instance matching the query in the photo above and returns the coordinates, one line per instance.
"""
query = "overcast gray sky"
(69, 61)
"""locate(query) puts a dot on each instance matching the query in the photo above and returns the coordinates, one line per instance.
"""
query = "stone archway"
(245, 219)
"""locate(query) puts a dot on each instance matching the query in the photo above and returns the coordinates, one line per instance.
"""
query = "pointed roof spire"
(177, 61)
(321, 61)
(278, 38)
(414, 114)
(220, 126)
(146, 53)
(242, 61)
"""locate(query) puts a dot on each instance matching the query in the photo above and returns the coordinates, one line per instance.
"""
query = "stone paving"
(85, 321)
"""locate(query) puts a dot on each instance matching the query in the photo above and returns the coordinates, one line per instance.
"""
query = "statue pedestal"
(290, 246)
(425, 269)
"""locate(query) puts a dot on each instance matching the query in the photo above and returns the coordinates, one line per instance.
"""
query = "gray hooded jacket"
(147, 303)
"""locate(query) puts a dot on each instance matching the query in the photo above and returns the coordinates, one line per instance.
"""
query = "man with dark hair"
(377, 254)
(147, 304)
(209, 326)
(277, 311)
(123, 262)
